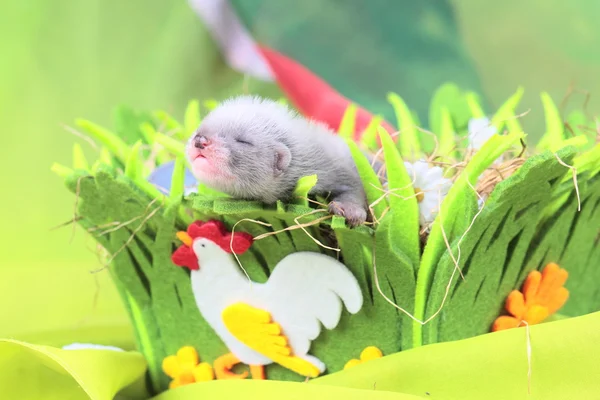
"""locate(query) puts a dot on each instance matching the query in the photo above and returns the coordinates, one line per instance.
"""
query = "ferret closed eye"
(258, 149)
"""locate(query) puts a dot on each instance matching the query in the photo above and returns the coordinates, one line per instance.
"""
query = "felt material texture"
(304, 291)
(455, 216)
(158, 295)
(530, 219)
(504, 245)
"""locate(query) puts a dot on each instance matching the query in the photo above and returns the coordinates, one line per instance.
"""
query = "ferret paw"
(354, 213)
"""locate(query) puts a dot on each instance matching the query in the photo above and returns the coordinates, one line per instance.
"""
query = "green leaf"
(554, 136)
(506, 113)
(457, 211)
(369, 136)
(474, 105)
(403, 202)
(30, 371)
(303, 187)
(370, 181)
(192, 117)
(348, 123)
(79, 160)
(175, 147)
(112, 142)
(562, 355)
(408, 138)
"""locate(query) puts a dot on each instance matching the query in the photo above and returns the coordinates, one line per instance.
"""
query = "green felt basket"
(547, 210)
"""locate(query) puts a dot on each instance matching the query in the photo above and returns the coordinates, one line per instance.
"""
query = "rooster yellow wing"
(256, 329)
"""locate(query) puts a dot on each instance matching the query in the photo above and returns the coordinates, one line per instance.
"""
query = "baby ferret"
(257, 149)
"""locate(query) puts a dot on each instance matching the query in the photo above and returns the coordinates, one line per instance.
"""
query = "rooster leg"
(223, 366)
(257, 372)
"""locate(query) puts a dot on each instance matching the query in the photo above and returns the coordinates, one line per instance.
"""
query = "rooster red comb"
(216, 232)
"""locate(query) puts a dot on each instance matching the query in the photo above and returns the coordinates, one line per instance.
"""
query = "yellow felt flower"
(543, 294)
(185, 368)
(368, 354)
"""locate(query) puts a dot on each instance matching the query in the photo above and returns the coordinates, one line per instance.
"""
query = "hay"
(493, 176)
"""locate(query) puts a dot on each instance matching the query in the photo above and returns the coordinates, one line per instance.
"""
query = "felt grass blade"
(105, 156)
(506, 113)
(149, 133)
(61, 170)
(403, 202)
(444, 97)
(303, 187)
(112, 142)
(588, 161)
(348, 123)
(178, 179)
(369, 136)
(169, 124)
(474, 105)
(408, 139)
(192, 117)
(133, 167)
(447, 136)
(79, 160)
(495, 252)
(554, 135)
(454, 219)
(175, 147)
(368, 176)
(579, 142)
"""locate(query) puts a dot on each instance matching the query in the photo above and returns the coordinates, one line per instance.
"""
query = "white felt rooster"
(262, 323)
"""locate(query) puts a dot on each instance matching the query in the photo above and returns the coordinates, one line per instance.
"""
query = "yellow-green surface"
(562, 365)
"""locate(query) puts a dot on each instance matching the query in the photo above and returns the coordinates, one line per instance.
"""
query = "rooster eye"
(242, 141)
(203, 245)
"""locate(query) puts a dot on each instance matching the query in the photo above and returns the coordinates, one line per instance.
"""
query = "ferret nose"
(200, 142)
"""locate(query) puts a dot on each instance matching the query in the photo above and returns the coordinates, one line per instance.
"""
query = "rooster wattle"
(264, 323)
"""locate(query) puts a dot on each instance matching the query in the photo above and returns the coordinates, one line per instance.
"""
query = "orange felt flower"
(541, 296)
(186, 368)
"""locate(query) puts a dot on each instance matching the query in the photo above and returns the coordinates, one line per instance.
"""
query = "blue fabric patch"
(161, 178)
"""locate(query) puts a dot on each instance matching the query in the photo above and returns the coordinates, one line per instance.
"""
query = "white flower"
(88, 346)
(430, 186)
(480, 131)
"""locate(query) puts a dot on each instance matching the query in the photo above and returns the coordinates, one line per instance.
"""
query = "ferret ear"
(282, 159)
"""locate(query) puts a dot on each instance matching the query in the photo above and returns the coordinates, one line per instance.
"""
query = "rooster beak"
(185, 238)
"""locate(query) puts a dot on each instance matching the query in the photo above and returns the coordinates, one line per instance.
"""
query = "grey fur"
(283, 147)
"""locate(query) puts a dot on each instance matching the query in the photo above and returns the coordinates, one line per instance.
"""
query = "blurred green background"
(65, 59)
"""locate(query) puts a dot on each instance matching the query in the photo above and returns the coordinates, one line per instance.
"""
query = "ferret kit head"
(243, 146)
